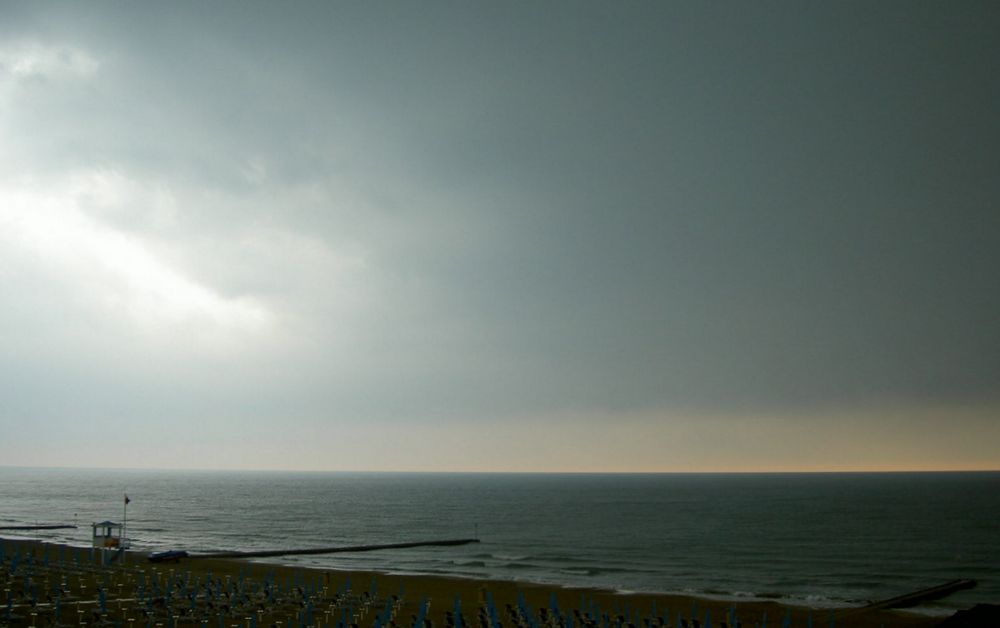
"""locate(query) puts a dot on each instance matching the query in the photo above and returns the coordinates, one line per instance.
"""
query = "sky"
(518, 236)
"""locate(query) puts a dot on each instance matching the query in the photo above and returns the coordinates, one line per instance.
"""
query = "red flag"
(127, 500)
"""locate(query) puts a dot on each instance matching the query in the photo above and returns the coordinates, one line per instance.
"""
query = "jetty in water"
(177, 555)
(912, 599)
(923, 595)
(39, 527)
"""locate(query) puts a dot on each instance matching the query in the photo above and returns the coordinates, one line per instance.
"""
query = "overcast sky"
(674, 236)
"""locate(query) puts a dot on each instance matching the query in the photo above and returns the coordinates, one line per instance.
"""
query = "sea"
(826, 540)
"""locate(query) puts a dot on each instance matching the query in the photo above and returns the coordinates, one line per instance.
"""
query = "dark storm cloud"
(467, 211)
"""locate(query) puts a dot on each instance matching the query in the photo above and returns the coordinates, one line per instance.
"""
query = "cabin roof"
(106, 523)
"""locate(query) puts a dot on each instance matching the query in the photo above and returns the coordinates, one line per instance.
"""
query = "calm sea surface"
(828, 539)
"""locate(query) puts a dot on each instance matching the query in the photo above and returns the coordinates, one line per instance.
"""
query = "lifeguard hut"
(109, 535)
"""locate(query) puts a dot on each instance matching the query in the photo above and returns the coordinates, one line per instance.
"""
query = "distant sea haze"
(827, 540)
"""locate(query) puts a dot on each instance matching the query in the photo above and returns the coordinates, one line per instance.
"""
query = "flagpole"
(124, 527)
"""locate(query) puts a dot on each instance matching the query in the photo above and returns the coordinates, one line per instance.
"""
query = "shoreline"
(818, 604)
(444, 593)
(825, 606)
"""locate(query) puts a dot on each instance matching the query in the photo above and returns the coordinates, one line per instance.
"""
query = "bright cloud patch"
(32, 59)
(47, 228)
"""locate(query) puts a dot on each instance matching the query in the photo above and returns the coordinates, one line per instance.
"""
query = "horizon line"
(513, 472)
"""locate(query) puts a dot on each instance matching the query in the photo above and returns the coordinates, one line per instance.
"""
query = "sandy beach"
(45, 584)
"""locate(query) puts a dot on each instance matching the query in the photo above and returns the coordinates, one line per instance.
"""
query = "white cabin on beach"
(109, 535)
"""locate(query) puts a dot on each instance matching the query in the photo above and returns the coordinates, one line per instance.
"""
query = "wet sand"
(45, 584)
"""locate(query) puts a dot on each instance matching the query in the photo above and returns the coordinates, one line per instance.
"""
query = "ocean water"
(828, 540)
